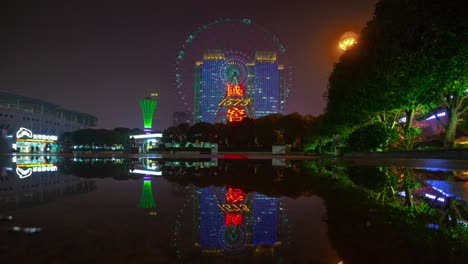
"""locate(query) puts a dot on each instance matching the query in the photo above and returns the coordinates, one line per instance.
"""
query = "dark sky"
(99, 59)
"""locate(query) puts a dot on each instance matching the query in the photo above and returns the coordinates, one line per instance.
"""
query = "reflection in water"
(30, 181)
(230, 208)
(147, 198)
(227, 221)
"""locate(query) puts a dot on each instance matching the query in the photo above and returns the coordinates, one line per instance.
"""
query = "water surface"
(228, 210)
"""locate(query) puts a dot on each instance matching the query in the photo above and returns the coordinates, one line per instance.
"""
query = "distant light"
(156, 135)
(147, 172)
(347, 40)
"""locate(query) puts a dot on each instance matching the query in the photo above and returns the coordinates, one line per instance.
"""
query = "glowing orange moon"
(347, 40)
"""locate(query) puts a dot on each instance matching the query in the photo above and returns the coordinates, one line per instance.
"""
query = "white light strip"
(433, 116)
(147, 172)
(148, 136)
(403, 119)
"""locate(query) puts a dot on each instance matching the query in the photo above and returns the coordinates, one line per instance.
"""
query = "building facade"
(264, 83)
(28, 118)
(266, 97)
(209, 87)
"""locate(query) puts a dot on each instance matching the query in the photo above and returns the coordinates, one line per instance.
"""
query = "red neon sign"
(235, 195)
(235, 114)
(235, 90)
(233, 219)
(235, 101)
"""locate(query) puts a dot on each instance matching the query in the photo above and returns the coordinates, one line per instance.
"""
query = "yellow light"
(35, 165)
(35, 140)
(347, 40)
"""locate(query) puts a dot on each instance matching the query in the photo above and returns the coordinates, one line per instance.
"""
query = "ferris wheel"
(239, 39)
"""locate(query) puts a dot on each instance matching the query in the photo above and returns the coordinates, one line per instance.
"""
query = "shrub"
(372, 137)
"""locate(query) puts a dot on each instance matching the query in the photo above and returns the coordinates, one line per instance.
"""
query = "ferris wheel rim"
(181, 88)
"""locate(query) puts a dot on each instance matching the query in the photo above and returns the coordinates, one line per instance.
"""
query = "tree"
(264, 129)
(219, 135)
(410, 57)
(372, 137)
(294, 127)
(201, 131)
(241, 133)
(451, 76)
(176, 134)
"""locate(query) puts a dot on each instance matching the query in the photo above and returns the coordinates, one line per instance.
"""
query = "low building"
(33, 125)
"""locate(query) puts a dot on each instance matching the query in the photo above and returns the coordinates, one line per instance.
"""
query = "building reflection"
(145, 166)
(228, 221)
(149, 168)
(28, 181)
(147, 197)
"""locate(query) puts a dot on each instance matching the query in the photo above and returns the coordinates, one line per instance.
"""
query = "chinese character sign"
(235, 195)
(235, 101)
(235, 207)
(235, 90)
(235, 114)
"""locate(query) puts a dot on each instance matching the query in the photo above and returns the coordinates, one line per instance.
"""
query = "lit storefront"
(28, 142)
(146, 142)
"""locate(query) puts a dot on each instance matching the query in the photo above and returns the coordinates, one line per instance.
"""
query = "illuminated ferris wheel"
(235, 64)
(239, 39)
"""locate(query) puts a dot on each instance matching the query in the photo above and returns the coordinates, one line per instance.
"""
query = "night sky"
(99, 59)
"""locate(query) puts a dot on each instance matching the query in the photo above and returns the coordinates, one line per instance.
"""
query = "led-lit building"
(266, 98)
(264, 83)
(32, 125)
(209, 87)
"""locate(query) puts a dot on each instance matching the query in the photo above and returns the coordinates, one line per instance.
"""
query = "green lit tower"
(147, 199)
(148, 106)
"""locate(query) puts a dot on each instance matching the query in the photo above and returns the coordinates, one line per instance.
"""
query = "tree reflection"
(374, 214)
(394, 206)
